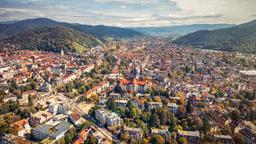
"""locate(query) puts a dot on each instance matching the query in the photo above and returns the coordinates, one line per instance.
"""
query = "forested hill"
(240, 38)
(53, 39)
(100, 31)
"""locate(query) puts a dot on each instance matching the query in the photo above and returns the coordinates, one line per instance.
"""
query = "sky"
(132, 13)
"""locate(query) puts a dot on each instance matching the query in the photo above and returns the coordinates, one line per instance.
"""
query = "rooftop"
(54, 131)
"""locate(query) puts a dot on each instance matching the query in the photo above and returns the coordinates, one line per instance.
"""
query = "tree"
(68, 138)
(189, 107)
(182, 99)
(171, 141)
(27, 88)
(3, 127)
(86, 124)
(183, 140)
(206, 125)
(130, 105)
(71, 133)
(157, 139)
(91, 140)
(162, 113)
(111, 104)
(118, 89)
(181, 111)
(30, 100)
(198, 122)
(124, 136)
(172, 124)
(145, 141)
(133, 113)
(33, 85)
(235, 115)
(154, 120)
(239, 139)
(157, 99)
(23, 113)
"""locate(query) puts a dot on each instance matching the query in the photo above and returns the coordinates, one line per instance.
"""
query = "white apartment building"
(108, 118)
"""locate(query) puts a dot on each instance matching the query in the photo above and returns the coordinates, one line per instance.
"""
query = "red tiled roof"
(19, 125)
(75, 116)
(134, 82)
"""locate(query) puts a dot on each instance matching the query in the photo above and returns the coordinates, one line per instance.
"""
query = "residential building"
(22, 127)
(39, 117)
(13, 139)
(225, 139)
(173, 107)
(56, 108)
(134, 133)
(10, 97)
(75, 118)
(108, 118)
(191, 136)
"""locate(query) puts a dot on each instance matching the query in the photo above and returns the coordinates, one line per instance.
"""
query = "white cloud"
(132, 12)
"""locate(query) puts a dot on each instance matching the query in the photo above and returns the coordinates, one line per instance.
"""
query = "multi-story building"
(75, 118)
(56, 108)
(226, 139)
(39, 118)
(134, 133)
(191, 136)
(173, 107)
(108, 118)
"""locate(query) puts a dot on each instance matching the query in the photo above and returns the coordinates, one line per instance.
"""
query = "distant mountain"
(240, 38)
(101, 32)
(178, 30)
(53, 39)
(9, 22)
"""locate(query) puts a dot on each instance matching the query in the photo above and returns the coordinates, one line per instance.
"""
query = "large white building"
(53, 130)
(56, 108)
(108, 118)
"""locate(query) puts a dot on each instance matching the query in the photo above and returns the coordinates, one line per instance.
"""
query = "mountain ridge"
(53, 39)
(101, 32)
(241, 38)
(179, 29)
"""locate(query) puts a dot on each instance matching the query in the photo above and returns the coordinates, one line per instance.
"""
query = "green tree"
(239, 139)
(71, 133)
(162, 113)
(206, 125)
(30, 100)
(235, 115)
(124, 136)
(68, 138)
(157, 139)
(27, 88)
(154, 120)
(91, 140)
(189, 107)
(172, 124)
(183, 140)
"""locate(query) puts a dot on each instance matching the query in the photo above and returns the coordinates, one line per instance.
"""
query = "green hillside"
(99, 31)
(53, 39)
(240, 38)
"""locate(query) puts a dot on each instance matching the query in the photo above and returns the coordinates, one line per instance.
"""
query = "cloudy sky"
(132, 12)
